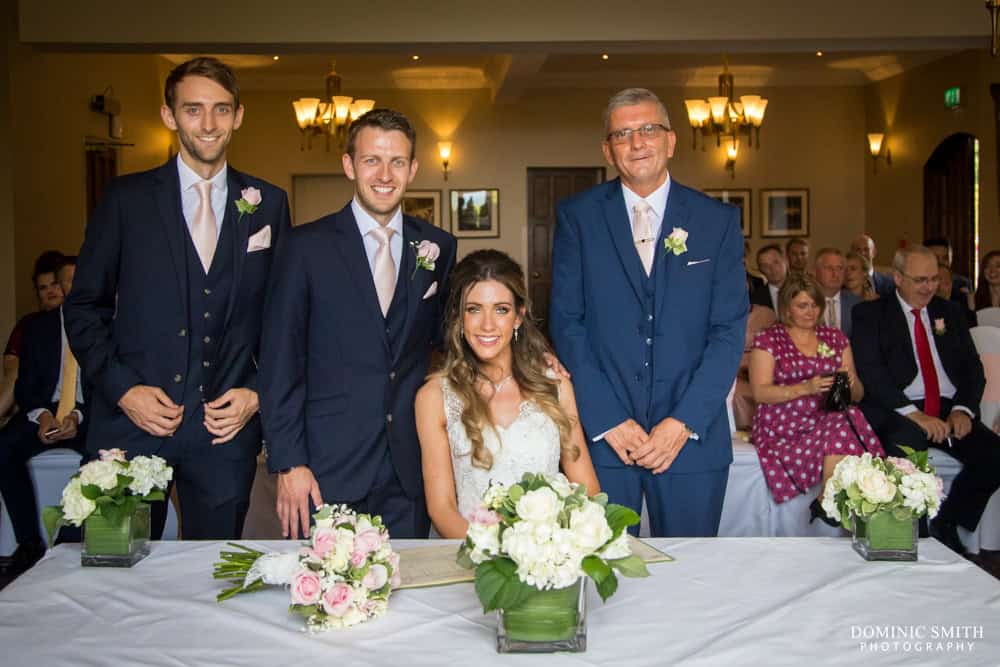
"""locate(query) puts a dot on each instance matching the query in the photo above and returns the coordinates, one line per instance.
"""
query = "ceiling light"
(330, 116)
(723, 117)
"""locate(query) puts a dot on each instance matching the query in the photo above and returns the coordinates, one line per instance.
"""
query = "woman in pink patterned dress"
(791, 368)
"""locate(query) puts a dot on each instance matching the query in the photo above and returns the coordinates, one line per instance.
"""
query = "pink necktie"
(203, 226)
(384, 271)
(642, 234)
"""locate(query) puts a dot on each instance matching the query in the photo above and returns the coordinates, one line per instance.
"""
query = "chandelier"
(330, 116)
(721, 116)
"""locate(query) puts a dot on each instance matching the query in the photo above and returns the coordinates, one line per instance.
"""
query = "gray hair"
(630, 97)
(903, 254)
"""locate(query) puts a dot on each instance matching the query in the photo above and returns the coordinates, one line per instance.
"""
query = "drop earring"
(515, 334)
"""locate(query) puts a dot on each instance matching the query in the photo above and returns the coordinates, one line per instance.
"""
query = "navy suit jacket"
(332, 387)
(697, 328)
(883, 355)
(39, 370)
(127, 314)
(883, 283)
(848, 300)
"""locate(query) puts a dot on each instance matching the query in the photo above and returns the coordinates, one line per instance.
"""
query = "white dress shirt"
(35, 415)
(832, 314)
(190, 199)
(366, 223)
(773, 291)
(915, 391)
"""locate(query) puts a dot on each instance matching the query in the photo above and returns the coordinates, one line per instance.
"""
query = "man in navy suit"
(923, 385)
(830, 271)
(165, 315)
(648, 308)
(353, 311)
(40, 424)
(864, 245)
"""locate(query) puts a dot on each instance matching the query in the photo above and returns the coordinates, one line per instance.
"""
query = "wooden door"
(950, 181)
(547, 186)
(102, 168)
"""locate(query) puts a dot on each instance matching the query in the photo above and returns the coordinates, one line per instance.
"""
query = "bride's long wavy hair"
(463, 369)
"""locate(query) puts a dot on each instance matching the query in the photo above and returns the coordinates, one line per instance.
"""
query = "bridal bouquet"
(863, 486)
(545, 533)
(110, 487)
(343, 576)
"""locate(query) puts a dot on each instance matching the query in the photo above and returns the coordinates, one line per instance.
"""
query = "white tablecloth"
(724, 601)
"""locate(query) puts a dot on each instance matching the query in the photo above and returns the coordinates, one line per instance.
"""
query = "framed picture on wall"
(423, 204)
(784, 212)
(738, 198)
(475, 214)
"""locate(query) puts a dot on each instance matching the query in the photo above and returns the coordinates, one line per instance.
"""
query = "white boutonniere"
(939, 329)
(427, 254)
(824, 351)
(248, 202)
(677, 241)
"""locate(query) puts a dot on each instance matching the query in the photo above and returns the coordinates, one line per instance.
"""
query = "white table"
(724, 601)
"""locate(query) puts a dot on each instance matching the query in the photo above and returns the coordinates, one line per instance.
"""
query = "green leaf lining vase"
(121, 543)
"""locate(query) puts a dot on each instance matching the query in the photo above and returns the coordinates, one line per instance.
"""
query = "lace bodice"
(529, 444)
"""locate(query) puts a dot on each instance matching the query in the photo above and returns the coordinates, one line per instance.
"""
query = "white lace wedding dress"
(529, 444)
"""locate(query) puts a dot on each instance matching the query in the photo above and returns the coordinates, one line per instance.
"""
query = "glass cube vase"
(116, 544)
(884, 537)
(547, 622)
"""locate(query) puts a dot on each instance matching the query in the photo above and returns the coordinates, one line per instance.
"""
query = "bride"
(495, 411)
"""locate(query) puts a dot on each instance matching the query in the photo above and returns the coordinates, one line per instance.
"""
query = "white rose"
(486, 540)
(679, 234)
(590, 527)
(75, 507)
(102, 473)
(875, 486)
(829, 502)
(617, 549)
(846, 472)
(560, 484)
(541, 505)
(519, 543)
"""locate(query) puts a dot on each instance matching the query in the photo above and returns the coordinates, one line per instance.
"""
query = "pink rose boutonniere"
(248, 202)
(939, 329)
(427, 254)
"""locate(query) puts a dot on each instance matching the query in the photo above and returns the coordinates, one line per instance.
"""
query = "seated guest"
(797, 252)
(988, 292)
(754, 281)
(771, 262)
(864, 245)
(857, 277)
(830, 268)
(944, 292)
(925, 383)
(760, 317)
(961, 286)
(49, 296)
(792, 366)
(51, 400)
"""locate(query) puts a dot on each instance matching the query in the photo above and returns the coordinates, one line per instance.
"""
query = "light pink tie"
(384, 270)
(203, 228)
(642, 234)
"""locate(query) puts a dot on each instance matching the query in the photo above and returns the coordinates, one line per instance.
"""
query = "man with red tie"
(923, 384)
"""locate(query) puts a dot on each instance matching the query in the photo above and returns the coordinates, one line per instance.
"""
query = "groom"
(353, 309)
(648, 309)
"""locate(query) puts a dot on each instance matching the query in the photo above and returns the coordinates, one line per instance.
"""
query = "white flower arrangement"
(545, 533)
(111, 486)
(864, 485)
(342, 577)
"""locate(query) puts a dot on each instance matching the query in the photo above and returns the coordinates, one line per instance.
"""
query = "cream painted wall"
(812, 138)
(50, 121)
(910, 109)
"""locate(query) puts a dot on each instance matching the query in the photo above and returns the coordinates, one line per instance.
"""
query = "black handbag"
(839, 395)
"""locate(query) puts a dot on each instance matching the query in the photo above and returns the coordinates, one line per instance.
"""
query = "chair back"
(987, 340)
(988, 317)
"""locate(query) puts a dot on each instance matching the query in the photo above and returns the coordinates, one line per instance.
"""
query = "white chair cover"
(988, 317)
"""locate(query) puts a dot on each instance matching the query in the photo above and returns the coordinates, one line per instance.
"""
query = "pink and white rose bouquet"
(342, 576)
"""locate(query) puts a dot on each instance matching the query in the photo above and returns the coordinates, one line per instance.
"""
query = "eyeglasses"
(647, 131)
(922, 281)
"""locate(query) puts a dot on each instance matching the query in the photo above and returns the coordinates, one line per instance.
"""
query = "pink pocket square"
(431, 291)
(261, 240)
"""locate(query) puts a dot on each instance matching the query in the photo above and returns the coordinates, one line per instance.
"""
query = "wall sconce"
(875, 143)
(731, 151)
(444, 150)
(993, 7)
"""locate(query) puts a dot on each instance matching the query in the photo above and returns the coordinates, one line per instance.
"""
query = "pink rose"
(323, 540)
(251, 196)
(904, 466)
(367, 541)
(358, 558)
(112, 454)
(306, 588)
(428, 250)
(337, 600)
(376, 577)
(395, 580)
(483, 516)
